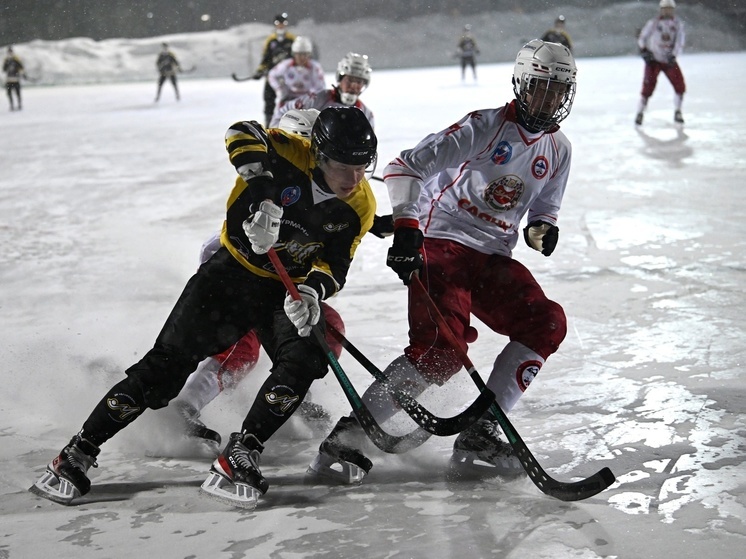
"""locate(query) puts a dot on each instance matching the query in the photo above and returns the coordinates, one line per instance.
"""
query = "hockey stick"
(565, 491)
(440, 426)
(391, 444)
(237, 78)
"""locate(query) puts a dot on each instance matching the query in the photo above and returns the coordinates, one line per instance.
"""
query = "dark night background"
(25, 20)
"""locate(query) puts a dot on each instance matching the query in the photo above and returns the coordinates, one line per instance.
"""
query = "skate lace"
(80, 460)
(245, 458)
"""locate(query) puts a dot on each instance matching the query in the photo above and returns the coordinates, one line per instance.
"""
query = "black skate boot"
(195, 429)
(339, 458)
(638, 119)
(482, 443)
(678, 118)
(65, 478)
(235, 477)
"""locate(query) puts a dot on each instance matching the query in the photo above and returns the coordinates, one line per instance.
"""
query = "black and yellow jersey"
(276, 49)
(319, 232)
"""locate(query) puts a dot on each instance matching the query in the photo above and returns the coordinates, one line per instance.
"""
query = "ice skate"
(339, 458)
(638, 119)
(65, 478)
(678, 118)
(196, 430)
(235, 477)
(481, 447)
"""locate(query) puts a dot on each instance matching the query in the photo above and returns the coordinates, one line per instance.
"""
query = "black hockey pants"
(220, 303)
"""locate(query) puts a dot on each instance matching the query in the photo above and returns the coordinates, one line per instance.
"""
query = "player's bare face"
(342, 178)
(349, 84)
(545, 97)
(302, 58)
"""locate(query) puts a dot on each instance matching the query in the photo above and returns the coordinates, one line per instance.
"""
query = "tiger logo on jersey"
(504, 193)
(300, 252)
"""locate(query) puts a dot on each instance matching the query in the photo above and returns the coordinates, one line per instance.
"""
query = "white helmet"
(299, 121)
(302, 45)
(539, 61)
(667, 4)
(356, 66)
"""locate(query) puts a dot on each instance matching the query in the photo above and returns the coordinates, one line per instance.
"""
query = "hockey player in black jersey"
(309, 202)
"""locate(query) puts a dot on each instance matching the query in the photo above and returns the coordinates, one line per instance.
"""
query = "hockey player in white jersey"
(458, 199)
(296, 76)
(661, 42)
(353, 77)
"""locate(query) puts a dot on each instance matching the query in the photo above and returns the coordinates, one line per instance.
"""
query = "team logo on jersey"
(504, 193)
(290, 196)
(300, 252)
(526, 373)
(502, 154)
(281, 399)
(123, 411)
(335, 227)
(540, 167)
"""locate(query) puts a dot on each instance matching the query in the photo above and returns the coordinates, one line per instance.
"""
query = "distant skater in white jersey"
(353, 77)
(661, 42)
(458, 198)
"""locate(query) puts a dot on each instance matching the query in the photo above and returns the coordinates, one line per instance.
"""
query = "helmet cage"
(550, 63)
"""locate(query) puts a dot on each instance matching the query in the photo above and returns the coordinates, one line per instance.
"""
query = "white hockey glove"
(263, 227)
(541, 236)
(305, 313)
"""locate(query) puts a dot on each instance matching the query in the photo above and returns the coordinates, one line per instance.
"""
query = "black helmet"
(281, 18)
(344, 135)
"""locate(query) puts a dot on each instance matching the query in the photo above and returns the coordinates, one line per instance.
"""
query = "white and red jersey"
(319, 100)
(474, 181)
(291, 80)
(664, 37)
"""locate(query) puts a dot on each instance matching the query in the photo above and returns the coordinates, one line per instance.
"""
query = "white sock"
(514, 369)
(202, 386)
(402, 374)
(642, 104)
(677, 100)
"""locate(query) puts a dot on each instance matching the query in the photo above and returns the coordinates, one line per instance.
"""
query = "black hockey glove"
(647, 56)
(404, 256)
(383, 226)
(541, 236)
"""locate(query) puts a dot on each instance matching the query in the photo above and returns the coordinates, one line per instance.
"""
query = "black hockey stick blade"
(391, 444)
(238, 78)
(440, 426)
(565, 491)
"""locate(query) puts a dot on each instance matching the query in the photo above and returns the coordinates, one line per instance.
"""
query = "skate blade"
(54, 488)
(235, 494)
(340, 471)
(470, 460)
